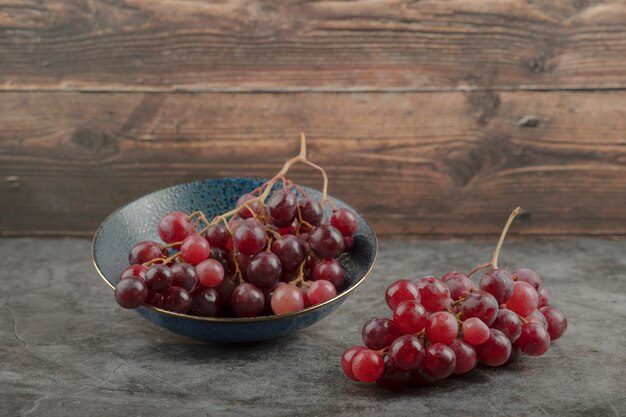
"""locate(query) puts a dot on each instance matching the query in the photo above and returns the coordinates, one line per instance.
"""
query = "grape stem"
(494, 260)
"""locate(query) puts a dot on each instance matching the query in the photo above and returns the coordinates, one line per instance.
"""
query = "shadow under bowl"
(139, 219)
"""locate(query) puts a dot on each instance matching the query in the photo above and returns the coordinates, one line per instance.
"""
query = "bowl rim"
(233, 320)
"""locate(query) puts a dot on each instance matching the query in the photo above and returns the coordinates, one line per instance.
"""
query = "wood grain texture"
(452, 163)
(265, 45)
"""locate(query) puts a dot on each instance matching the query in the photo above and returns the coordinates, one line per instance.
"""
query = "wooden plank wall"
(434, 118)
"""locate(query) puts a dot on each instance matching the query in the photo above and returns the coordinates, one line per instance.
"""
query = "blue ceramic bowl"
(138, 221)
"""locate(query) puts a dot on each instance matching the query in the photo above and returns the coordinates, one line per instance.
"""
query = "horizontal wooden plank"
(261, 45)
(413, 163)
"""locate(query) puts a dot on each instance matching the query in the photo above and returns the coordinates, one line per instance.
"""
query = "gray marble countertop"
(66, 349)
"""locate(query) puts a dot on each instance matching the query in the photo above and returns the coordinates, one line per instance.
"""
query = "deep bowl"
(138, 221)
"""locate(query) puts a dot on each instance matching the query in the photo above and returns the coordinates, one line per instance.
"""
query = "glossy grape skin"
(205, 302)
(498, 283)
(393, 379)
(441, 327)
(217, 236)
(210, 273)
(268, 293)
(131, 292)
(401, 290)
(136, 270)
(288, 230)
(159, 277)
(175, 227)
(465, 356)
(344, 220)
(247, 300)
(195, 249)
(439, 361)
(287, 299)
(249, 237)
(264, 270)
(290, 251)
(524, 299)
(406, 353)
(346, 361)
(251, 210)
(319, 292)
(545, 297)
(475, 331)
(328, 270)
(479, 304)
(496, 350)
(311, 210)
(367, 366)
(434, 295)
(529, 276)
(224, 258)
(508, 323)
(348, 242)
(534, 339)
(225, 290)
(557, 322)
(175, 299)
(410, 316)
(326, 241)
(458, 284)
(378, 333)
(185, 276)
(282, 207)
(537, 317)
(145, 251)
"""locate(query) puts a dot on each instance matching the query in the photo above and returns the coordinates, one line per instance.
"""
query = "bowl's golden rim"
(227, 320)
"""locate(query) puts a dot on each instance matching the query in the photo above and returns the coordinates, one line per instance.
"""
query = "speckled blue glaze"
(138, 221)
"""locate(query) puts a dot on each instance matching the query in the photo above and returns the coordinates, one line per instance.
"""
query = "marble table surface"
(66, 349)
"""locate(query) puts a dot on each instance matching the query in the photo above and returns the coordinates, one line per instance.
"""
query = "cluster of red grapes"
(261, 258)
(445, 326)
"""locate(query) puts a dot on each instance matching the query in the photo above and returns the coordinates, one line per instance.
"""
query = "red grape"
(328, 270)
(282, 207)
(252, 208)
(348, 242)
(326, 241)
(393, 379)
(458, 284)
(145, 251)
(225, 258)
(225, 290)
(419, 379)
(534, 339)
(247, 300)
(367, 366)
(210, 273)
(441, 327)
(268, 293)
(479, 304)
(311, 210)
(175, 227)
(345, 221)
(557, 322)
(406, 353)
(175, 299)
(287, 299)
(496, 350)
(410, 317)
(475, 331)
(264, 269)
(544, 296)
(346, 361)
(136, 270)
(524, 299)
(205, 302)
(529, 276)
(159, 277)
(290, 251)
(378, 333)
(217, 236)
(537, 317)
(320, 291)
(439, 361)
(131, 292)
(498, 283)
(195, 249)
(154, 298)
(434, 294)
(465, 356)
(508, 323)
(185, 276)
(249, 237)
(400, 291)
